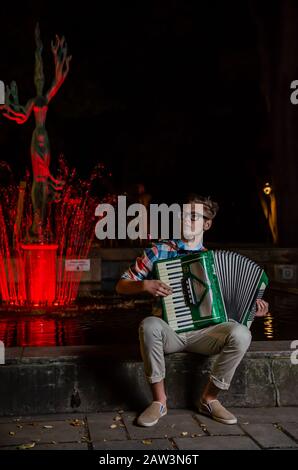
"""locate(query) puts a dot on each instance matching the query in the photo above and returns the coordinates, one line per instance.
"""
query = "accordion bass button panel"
(178, 313)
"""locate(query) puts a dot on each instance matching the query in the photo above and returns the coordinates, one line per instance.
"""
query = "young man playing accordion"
(229, 340)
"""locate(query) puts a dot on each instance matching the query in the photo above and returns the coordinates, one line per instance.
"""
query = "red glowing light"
(36, 332)
(40, 273)
(73, 220)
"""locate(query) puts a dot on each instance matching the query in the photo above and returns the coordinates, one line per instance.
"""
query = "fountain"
(47, 222)
(38, 274)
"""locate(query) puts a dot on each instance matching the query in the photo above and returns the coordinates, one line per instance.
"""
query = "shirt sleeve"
(143, 265)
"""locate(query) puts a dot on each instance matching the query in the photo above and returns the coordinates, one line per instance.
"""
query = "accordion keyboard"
(178, 311)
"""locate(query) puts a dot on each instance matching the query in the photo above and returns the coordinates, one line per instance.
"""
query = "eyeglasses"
(193, 216)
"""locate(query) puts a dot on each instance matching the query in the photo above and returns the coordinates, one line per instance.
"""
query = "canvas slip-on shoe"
(152, 414)
(215, 410)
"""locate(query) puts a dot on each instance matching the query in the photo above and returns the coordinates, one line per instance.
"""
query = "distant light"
(267, 189)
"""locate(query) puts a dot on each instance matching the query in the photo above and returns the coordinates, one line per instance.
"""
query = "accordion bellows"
(210, 287)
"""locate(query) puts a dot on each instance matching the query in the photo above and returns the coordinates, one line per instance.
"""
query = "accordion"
(210, 287)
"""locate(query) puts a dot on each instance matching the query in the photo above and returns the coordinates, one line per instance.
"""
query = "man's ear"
(207, 224)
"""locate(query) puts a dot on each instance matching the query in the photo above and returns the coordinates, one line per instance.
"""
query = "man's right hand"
(157, 288)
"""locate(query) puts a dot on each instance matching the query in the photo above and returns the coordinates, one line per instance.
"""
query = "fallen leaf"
(113, 426)
(147, 442)
(77, 422)
(184, 433)
(117, 418)
(12, 433)
(48, 426)
(19, 426)
(26, 446)
(53, 442)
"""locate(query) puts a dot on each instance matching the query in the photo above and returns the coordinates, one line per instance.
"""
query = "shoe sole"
(148, 425)
(220, 420)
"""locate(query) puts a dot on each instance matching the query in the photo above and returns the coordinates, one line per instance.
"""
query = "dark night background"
(176, 95)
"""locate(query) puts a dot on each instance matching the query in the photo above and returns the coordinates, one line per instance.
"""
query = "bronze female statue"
(45, 188)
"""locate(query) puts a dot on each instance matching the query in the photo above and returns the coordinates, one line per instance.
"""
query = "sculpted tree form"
(45, 188)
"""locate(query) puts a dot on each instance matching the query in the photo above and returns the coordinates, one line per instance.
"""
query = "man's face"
(193, 221)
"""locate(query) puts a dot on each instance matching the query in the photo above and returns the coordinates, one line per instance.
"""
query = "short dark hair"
(210, 207)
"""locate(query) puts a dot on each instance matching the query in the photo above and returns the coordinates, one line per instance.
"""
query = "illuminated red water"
(35, 273)
(110, 320)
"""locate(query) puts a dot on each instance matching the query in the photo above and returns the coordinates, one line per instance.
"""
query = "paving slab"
(148, 444)
(62, 446)
(177, 411)
(216, 443)
(290, 428)
(57, 446)
(173, 424)
(214, 428)
(266, 415)
(268, 435)
(48, 417)
(23, 432)
(267, 428)
(104, 426)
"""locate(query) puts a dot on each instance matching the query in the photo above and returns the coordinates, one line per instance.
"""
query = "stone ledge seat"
(37, 380)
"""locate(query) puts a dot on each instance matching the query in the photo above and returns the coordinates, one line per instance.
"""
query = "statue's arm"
(12, 108)
(61, 60)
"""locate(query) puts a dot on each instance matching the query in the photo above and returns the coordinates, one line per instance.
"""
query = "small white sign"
(2, 92)
(294, 354)
(2, 353)
(77, 265)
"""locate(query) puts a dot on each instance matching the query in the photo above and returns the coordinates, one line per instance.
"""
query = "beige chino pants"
(230, 340)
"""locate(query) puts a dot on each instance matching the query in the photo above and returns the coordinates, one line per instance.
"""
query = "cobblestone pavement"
(257, 428)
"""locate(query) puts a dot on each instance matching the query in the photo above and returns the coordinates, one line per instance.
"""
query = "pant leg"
(230, 340)
(156, 339)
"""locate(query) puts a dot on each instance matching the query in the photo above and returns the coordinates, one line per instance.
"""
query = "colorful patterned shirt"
(142, 268)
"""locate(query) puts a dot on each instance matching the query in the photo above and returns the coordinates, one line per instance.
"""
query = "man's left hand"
(262, 308)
